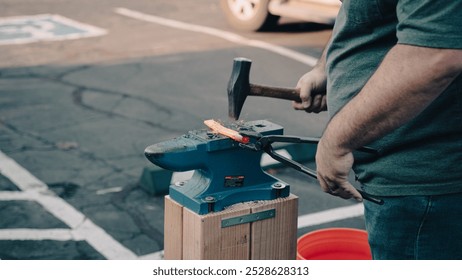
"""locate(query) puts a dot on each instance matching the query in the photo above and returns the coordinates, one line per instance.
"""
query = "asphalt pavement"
(79, 106)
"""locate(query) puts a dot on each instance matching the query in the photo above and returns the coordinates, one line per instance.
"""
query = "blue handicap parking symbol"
(28, 29)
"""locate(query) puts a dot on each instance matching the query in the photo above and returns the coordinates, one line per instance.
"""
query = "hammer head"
(238, 86)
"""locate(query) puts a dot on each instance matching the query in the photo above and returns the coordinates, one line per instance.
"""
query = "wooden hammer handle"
(275, 92)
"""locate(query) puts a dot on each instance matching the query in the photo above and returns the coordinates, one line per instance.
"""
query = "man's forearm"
(406, 82)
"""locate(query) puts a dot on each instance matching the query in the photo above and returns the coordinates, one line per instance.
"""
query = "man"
(391, 73)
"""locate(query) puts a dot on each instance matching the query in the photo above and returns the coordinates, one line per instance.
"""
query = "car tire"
(249, 15)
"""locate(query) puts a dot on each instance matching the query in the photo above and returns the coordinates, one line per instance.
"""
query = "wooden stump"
(188, 235)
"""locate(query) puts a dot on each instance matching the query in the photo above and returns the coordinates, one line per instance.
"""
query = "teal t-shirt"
(423, 157)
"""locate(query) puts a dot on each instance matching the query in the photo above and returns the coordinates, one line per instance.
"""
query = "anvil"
(225, 173)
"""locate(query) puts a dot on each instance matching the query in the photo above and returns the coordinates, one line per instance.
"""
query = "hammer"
(239, 88)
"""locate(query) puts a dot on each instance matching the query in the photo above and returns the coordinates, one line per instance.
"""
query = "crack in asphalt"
(53, 146)
(79, 91)
(119, 200)
(77, 97)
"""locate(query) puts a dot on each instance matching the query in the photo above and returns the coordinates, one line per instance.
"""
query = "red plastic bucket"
(334, 244)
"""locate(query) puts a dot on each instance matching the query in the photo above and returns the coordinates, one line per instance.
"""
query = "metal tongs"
(263, 143)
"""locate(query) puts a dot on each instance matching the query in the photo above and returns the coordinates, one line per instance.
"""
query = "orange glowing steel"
(218, 128)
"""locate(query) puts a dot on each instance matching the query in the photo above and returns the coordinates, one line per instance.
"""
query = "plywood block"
(205, 239)
(276, 238)
(173, 230)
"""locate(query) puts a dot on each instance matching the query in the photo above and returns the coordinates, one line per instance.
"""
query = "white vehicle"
(258, 15)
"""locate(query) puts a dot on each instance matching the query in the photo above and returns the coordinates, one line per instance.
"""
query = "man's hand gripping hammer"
(239, 88)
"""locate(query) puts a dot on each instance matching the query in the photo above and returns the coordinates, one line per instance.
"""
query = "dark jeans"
(415, 227)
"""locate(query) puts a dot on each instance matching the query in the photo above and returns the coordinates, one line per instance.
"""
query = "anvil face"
(187, 152)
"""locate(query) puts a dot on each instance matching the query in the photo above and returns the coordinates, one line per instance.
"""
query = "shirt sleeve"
(430, 23)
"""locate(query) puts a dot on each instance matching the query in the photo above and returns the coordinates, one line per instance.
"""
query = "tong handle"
(297, 166)
(269, 139)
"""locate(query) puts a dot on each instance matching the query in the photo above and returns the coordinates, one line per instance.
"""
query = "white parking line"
(36, 234)
(81, 227)
(22, 178)
(331, 215)
(109, 190)
(229, 36)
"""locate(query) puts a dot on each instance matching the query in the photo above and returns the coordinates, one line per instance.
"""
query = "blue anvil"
(225, 173)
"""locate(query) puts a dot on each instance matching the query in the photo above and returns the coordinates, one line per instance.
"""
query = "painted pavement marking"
(330, 215)
(81, 227)
(46, 27)
(229, 36)
(36, 234)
